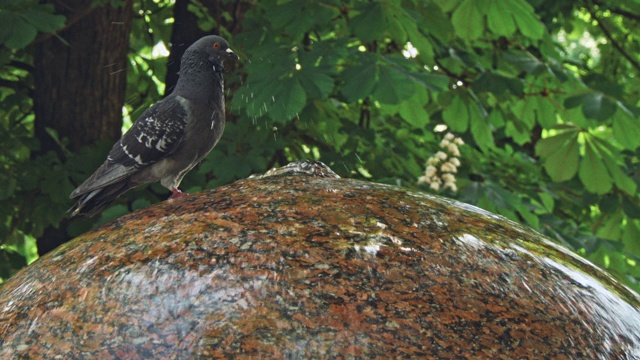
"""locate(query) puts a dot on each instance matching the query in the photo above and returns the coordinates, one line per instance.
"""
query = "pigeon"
(170, 137)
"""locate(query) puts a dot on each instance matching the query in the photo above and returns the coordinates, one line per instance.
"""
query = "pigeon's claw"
(176, 193)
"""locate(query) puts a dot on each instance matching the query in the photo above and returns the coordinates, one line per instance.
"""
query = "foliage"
(543, 93)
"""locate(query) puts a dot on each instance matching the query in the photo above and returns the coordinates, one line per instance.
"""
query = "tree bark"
(80, 83)
(80, 86)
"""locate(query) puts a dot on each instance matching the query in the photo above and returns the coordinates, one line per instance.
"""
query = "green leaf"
(432, 82)
(480, 129)
(560, 154)
(574, 101)
(597, 106)
(316, 83)
(22, 20)
(285, 16)
(21, 33)
(602, 83)
(423, 45)
(525, 17)
(626, 129)
(368, 25)
(497, 84)
(256, 97)
(594, 105)
(403, 27)
(456, 115)
(631, 207)
(413, 110)
(9, 186)
(439, 25)
(359, 81)
(44, 21)
(548, 201)
(610, 226)
(545, 112)
(467, 20)
(525, 62)
(518, 131)
(526, 111)
(393, 86)
(447, 5)
(531, 218)
(10, 263)
(395, 24)
(593, 172)
(631, 237)
(497, 21)
(289, 99)
(622, 180)
(495, 118)
(112, 212)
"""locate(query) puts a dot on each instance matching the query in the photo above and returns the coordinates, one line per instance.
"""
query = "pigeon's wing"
(155, 135)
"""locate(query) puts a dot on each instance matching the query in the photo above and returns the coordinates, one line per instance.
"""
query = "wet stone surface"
(297, 266)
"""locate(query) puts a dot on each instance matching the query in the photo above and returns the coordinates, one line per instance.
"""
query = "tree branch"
(615, 44)
(618, 11)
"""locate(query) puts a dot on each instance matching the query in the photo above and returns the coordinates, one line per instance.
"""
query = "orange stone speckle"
(312, 266)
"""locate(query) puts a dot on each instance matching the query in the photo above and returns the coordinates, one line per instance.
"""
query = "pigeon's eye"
(216, 45)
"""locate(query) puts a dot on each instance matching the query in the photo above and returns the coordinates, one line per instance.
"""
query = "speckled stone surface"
(296, 266)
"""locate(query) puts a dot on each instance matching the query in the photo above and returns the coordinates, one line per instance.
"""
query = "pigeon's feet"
(176, 193)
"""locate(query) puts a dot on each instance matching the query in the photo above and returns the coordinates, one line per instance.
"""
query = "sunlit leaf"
(626, 129)
(593, 172)
(525, 18)
(560, 154)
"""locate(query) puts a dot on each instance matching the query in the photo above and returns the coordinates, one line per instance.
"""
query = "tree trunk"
(80, 85)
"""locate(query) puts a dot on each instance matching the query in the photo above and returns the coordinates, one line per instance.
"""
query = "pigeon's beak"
(231, 54)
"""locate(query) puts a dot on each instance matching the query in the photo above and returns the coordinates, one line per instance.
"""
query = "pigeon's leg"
(176, 193)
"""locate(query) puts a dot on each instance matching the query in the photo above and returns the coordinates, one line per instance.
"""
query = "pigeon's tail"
(91, 203)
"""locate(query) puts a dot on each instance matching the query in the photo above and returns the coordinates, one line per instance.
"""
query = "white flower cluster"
(444, 176)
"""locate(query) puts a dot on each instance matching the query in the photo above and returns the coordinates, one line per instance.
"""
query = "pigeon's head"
(216, 48)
